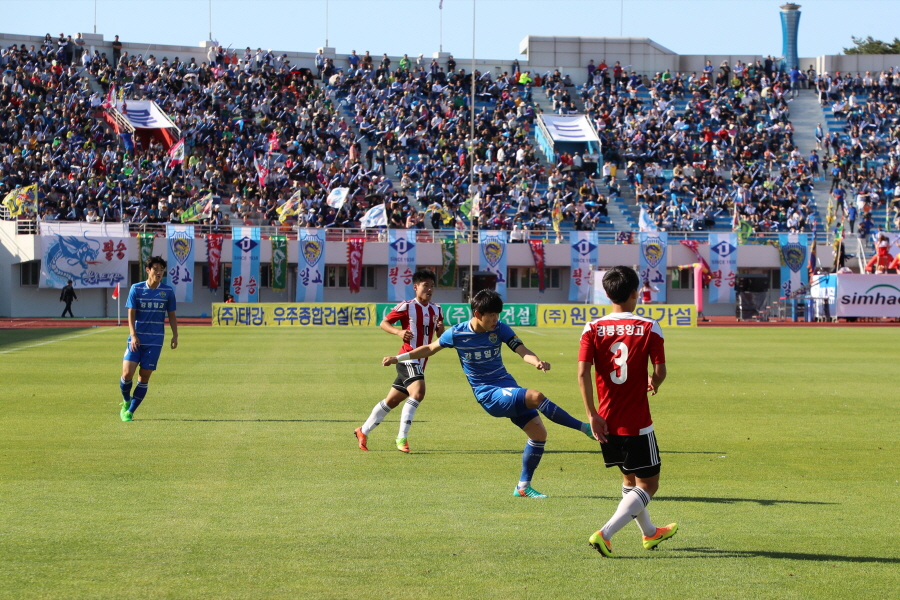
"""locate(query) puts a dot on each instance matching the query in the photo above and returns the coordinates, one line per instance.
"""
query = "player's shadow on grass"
(760, 501)
(717, 553)
(256, 420)
(15, 337)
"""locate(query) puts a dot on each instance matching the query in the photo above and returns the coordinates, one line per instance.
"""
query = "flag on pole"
(115, 293)
(110, 97)
(261, 172)
(374, 217)
(337, 197)
(21, 200)
(176, 153)
(645, 223)
(201, 209)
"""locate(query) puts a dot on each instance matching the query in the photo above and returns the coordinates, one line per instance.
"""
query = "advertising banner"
(723, 249)
(245, 264)
(214, 258)
(652, 264)
(492, 257)
(180, 259)
(401, 264)
(275, 314)
(584, 254)
(311, 265)
(868, 295)
(92, 255)
(578, 315)
(514, 315)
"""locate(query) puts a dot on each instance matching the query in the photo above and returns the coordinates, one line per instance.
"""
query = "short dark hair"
(156, 260)
(424, 275)
(619, 283)
(487, 301)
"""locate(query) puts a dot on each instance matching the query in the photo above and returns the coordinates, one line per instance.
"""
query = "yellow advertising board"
(578, 315)
(305, 314)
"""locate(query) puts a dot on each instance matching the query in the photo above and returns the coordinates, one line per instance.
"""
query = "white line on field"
(534, 332)
(71, 337)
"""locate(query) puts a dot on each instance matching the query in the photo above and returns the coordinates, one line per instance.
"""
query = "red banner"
(694, 246)
(537, 252)
(213, 258)
(354, 263)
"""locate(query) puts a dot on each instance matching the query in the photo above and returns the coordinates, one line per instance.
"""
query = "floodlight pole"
(95, 16)
(210, 20)
(326, 23)
(622, 19)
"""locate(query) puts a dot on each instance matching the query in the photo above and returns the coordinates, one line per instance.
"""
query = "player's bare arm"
(655, 380)
(387, 326)
(132, 319)
(532, 359)
(599, 428)
(420, 352)
(173, 323)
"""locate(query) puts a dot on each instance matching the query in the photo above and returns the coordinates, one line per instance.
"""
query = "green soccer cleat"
(127, 415)
(661, 535)
(604, 547)
(528, 492)
(123, 408)
(402, 445)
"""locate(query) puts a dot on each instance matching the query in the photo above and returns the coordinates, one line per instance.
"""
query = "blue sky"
(412, 26)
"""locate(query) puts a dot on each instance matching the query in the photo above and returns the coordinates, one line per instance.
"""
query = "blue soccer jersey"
(479, 353)
(152, 305)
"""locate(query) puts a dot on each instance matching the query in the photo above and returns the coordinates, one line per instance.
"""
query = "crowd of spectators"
(696, 146)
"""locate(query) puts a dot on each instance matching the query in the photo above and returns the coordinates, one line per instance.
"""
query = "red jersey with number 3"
(620, 345)
(420, 319)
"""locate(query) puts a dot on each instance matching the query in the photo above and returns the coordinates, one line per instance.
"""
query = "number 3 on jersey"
(620, 358)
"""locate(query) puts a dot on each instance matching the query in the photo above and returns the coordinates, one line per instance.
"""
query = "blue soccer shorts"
(145, 356)
(506, 402)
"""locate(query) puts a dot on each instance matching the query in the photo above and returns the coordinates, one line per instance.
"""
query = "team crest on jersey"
(653, 251)
(794, 256)
(493, 251)
(312, 249)
(493, 338)
(181, 245)
(162, 293)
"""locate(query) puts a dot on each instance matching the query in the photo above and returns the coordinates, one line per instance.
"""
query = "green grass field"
(240, 476)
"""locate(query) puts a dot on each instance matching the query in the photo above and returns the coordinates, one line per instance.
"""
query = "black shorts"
(633, 454)
(407, 372)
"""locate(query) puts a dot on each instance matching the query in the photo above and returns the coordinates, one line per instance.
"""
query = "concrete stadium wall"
(17, 300)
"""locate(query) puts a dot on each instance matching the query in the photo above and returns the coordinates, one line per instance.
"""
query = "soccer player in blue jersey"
(149, 302)
(478, 342)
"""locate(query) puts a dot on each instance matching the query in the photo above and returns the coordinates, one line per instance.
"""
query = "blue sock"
(125, 386)
(559, 416)
(531, 458)
(139, 392)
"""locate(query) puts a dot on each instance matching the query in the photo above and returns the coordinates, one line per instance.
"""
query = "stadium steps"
(805, 114)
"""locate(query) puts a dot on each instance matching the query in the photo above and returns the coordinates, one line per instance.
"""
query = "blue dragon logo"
(70, 257)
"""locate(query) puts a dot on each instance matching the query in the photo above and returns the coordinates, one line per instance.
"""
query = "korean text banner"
(723, 249)
(868, 295)
(180, 256)
(245, 264)
(578, 315)
(793, 248)
(584, 254)
(653, 256)
(514, 315)
(492, 257)
(401, 264)
(274, 314)
(92, 255)
(311, 265)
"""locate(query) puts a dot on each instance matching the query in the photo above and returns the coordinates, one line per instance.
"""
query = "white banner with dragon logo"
(91, 255)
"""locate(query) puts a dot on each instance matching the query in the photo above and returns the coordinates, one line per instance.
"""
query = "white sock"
(643, 519)
(523, 484)
(378, 414)
(631, 505)
(406, 416)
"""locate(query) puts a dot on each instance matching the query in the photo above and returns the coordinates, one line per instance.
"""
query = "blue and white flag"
(311, 265)
(337, 197)
(584, 250)
(492, 257)
(793, 248)
(245, 264)
(92, 255)
(401, 264)
(374, 217)
(723, 249)
(645, 223)
(180, 256)
(654, 251)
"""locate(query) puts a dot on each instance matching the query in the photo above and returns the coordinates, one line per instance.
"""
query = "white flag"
(374, 217)
(337, 198)
(645, 223)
